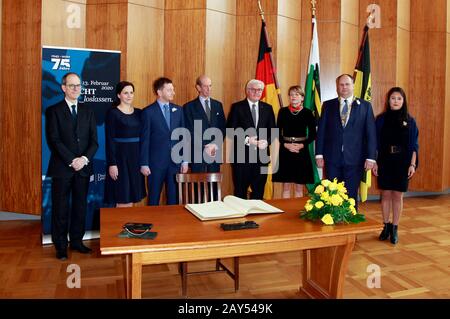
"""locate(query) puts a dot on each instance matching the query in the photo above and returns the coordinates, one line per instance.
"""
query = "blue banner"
(100, 72)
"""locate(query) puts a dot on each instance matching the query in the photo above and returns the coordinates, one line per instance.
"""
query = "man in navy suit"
(255, 119)
(200, 115)
(346, 137)
(159, 120)
(71, 134)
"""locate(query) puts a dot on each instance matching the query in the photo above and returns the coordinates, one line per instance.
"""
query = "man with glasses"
(71, 134)
(251, 121)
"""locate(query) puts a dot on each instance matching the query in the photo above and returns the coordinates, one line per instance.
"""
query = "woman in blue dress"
(397, 160)
(124, 183)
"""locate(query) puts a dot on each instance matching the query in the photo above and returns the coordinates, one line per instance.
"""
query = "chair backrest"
(199, 187)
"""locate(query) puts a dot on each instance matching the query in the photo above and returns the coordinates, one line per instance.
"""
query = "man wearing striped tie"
(201, 114)
(346, 137)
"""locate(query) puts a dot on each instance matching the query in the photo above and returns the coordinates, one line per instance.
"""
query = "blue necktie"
(167, 114)
(74, 115)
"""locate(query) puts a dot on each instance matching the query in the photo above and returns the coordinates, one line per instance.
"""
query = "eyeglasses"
(255, 90)
(73, 86)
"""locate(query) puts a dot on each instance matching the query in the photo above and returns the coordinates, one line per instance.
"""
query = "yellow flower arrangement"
(330, 203)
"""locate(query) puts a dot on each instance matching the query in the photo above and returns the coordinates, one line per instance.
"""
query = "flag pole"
(313, 8)
(277, 86)
(313, 12)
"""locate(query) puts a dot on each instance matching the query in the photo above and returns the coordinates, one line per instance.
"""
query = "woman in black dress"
(297, 130)
(397, 160)
(124, 183)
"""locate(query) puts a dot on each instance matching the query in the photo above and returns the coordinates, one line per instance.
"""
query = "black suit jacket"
(193, 111)
(67, 143)
(241, 117)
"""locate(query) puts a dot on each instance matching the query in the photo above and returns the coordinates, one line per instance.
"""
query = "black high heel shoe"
(394, 234)
(386, 232)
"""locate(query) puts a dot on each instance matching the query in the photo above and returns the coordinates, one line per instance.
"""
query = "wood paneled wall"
(1, 75)
(58, 27)
(446, 158)
(184, 45)
(220, 60)
(145, 40)
(183, 39)
(20, 106)
(427, 89)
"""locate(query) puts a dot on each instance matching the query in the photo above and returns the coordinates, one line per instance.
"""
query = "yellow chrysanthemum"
(325, 196)
(336, 200)
(319, 189)
(353, 210)
(325, 182)
(309, 207)
(333, 186)
(351, 201)
(344, 196)
(328, 219)
(319, 204)
(341, 188)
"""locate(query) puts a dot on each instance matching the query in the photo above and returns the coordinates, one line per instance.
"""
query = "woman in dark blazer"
(397, 159)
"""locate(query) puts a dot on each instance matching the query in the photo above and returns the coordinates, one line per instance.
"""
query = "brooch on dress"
(174, 109)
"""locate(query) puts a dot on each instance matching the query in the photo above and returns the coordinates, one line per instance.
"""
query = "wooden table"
(182, 237)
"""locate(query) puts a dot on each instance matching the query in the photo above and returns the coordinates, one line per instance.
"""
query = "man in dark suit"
(72, 138)
(252, 121)
(200, 115)
(159, 120)
(346, 138)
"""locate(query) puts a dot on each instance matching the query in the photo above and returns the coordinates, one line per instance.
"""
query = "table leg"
(136, 276)
(324, 270)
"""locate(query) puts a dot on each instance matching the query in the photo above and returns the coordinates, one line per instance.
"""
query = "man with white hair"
(251, 121)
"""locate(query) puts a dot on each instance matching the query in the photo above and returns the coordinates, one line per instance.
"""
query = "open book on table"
(231, 207)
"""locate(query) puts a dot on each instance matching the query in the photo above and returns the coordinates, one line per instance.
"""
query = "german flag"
(363, 90)
(265, 71)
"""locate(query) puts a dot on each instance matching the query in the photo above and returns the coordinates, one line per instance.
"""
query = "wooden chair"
(200, 188)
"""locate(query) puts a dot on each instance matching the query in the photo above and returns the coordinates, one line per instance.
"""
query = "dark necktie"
(344, 114)
(167, 114)
(208, 110)
(74, 115)
(254, 114)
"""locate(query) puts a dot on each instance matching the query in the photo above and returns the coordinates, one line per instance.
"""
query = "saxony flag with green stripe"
(312, 92)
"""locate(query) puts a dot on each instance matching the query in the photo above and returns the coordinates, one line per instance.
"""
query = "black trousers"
(69, 205)
(245, 175)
